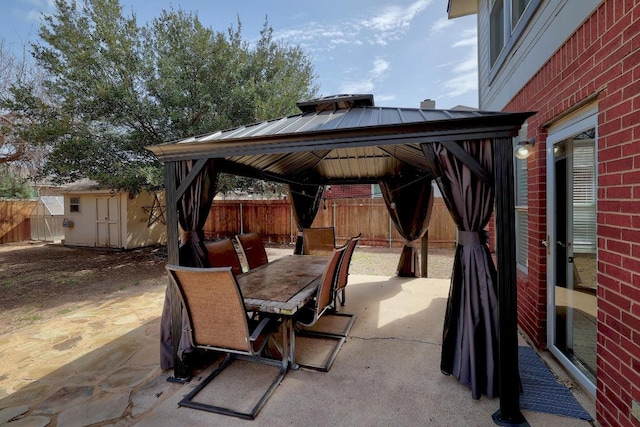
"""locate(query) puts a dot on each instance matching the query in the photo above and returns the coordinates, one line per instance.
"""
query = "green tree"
(115, 87)
(14, 187)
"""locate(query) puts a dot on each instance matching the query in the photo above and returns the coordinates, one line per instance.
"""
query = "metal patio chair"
(222, 253)
(217, 321)
(318, 241)
(252, 249)
(309, 315)
(343, 271)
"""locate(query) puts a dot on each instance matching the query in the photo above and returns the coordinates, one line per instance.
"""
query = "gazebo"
(347, 139)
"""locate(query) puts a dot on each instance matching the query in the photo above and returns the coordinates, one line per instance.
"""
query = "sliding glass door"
(572, 247)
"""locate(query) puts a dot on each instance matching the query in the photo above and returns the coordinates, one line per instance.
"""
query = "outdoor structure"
(112, 219)
(47, 218)
(577, 63)
(346, 139)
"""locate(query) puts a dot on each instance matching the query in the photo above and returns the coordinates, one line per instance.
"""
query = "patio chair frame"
(232, 351)
(222, 253)
(252, 249)
(318, 241)
(320, 305)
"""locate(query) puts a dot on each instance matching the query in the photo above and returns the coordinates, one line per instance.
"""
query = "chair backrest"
(252, 249)
(343, 272)
(222, 253)
(318, 241)
(214, 306)
(324, 297)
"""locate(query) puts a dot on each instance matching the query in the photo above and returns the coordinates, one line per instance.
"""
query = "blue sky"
(401, 51)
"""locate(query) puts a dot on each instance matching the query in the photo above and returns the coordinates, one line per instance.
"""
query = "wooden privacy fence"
(15, 224)
(274, 221)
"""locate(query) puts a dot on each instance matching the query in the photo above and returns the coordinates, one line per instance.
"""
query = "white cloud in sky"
(379, 28)
(441, 24)
(380, 66)
(393, 21)
(362, 86)
(367, 83)
(465, 71)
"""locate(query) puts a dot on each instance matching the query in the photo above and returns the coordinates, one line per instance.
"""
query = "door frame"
(582, 120)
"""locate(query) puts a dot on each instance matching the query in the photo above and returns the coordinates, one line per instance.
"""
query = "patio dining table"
(282, 287)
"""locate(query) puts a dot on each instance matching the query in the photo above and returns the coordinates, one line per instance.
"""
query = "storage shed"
(102, 217)
(46, 219)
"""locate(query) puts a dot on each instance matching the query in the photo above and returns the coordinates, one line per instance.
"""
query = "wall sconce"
(523, 149)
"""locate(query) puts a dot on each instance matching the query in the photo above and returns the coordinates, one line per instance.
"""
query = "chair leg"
(187, 402)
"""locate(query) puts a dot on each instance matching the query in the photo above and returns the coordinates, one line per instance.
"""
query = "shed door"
(107, 222)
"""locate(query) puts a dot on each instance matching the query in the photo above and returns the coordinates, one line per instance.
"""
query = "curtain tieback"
(472, 238)
(190, 237)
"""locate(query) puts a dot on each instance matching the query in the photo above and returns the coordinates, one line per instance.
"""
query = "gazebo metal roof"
(338, 139)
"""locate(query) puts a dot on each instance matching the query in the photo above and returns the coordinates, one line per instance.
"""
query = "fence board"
(273, 220)
(15, 224)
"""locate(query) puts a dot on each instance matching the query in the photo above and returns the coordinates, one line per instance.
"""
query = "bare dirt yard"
(39, 281)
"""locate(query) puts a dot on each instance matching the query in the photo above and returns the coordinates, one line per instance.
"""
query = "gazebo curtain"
(409, 200)
(463, 171)
(305, 202)
(193, 208)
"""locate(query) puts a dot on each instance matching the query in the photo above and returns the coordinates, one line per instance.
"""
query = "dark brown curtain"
(193, 208)
(409, 200)
(305, 202)
(463, 171)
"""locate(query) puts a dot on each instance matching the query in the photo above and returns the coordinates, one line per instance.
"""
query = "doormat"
(541, 392)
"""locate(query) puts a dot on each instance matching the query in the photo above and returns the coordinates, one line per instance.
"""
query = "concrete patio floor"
(100, 366)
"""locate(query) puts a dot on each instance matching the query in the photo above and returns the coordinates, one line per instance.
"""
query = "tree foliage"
(115, 87)
(17, 155)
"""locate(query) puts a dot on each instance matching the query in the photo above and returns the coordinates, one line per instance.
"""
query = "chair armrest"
(261, 327)
(261, 333)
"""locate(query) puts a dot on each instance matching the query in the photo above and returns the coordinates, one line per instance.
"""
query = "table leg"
(289, 342)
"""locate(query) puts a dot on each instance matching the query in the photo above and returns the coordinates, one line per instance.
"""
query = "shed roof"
(338, 139)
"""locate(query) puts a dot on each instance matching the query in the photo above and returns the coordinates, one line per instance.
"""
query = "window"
(74, 204)
(507, 20)
(521, 204)
(496, 27)
(517, 9)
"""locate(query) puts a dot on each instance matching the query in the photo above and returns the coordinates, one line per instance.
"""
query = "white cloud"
(462, 84)
(367, 83)
(393, 21)
(380, 66)
(470, 41)
(441, 24)
(390, 23)
(362, 86)
(382, 98)
(470, 63)
(464, 71)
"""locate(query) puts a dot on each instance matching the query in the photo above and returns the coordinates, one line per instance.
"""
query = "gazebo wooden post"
(509, 413)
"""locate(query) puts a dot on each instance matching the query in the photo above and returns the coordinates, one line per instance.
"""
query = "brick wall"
(602, 56)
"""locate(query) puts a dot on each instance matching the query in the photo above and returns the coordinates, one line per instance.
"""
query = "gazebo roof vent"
(336, 102)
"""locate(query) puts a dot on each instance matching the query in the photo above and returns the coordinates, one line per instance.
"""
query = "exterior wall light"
(523, 149)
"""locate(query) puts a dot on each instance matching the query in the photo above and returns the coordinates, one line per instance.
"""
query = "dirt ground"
(39, 281)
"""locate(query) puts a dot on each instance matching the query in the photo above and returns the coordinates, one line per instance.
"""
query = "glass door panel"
(575, 250)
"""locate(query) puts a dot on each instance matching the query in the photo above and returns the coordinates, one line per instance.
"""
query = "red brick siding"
(357, 191)
(602, 55)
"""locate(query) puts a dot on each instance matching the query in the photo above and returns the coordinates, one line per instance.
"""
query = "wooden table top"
(282, 286)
